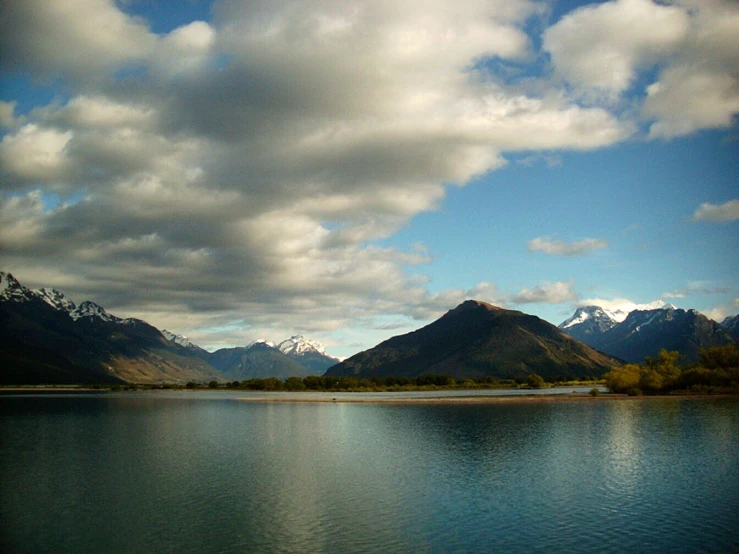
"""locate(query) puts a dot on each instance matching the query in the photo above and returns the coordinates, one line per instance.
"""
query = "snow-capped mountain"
(91, 310)
(261, 342)
(11, 290)
(296, 356)
(594, 313)
(56, 299)
(298, 344)
(258, 360)
(644, 332)
(309, 353)
(589, 321)
(47, 339)
(178, 339)
(186, 343)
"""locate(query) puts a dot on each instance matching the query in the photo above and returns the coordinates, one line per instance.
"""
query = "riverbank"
(492, 399)
(441, 396)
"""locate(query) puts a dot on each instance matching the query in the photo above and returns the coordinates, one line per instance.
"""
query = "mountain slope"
(590, 321)
(47, 339)
(645, 332)
(258, 361)
(308, 353)
(478, 339)
(731, 324)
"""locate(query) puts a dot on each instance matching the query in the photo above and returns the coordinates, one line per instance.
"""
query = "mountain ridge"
(643, 333)
(478, 339)
(48, 338)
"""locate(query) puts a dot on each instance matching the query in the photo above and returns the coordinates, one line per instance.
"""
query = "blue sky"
(349, 170)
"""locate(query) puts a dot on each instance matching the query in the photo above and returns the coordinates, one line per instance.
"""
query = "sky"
(241, 170)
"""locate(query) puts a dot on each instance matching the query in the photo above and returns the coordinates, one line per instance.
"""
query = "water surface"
(174, 472)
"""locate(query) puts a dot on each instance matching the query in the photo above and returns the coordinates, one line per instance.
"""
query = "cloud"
(35, 153)
(600, 50)
(239, 173)
(728, 211)
(719, 313)
(623, 305)
(602, 46)
(548, 293)
(561, 248)
(7, 117)
(694, 288)
(55, 39)
(699, 87)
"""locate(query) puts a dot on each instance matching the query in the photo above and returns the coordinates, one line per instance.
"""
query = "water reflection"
(201, 472)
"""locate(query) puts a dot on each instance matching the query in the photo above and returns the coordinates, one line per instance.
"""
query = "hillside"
(46, 339)
(477, 339)
(643, 333)
(257, 361)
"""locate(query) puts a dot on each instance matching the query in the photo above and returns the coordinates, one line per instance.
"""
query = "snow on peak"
(92, 310)
(177, 339)
(585, 313)
(11, 289)
(298, 344)
(261, 341)
(56, 299)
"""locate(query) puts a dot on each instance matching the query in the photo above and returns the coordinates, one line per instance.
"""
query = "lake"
(203, 472)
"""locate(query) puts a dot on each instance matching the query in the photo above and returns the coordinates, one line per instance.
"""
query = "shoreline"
(311, 397)
(492, 399)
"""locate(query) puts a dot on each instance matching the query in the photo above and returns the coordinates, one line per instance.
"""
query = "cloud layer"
(238, 173)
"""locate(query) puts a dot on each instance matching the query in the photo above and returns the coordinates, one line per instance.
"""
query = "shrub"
(535, 381)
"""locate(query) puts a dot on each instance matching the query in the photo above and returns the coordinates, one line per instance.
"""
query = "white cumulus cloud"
(602, 46)
(728, 211)
(561, 248)
(548, 293)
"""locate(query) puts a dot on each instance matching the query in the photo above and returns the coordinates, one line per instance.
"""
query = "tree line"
(717, 371)
(384, 384)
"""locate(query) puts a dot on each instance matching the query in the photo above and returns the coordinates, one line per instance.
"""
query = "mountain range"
(293, 357)
(643, 333)
(478, 339)
(46, 338)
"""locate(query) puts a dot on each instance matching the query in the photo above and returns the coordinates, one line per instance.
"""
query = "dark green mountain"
(645, 332)
(477, 339)
(257, 361)
(46, 339)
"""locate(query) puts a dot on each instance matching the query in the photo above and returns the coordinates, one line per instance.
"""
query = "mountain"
(46, 338)
(731, 324)
(308, 353)
(185, 342)
(591, 321)
(256, 361)
(645, 332)
(477, 339)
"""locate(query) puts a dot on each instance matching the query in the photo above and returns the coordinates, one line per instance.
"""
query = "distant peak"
(92, 310)
(261, 342)
(56, 299)
(467, 304)
(11, 289)
(298, 344)
(182, 340)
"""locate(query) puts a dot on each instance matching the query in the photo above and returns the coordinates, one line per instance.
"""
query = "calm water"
(177, 472)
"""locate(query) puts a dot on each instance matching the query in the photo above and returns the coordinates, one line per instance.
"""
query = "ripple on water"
(119, 474)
